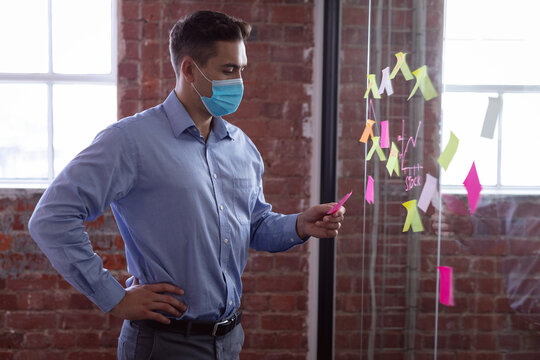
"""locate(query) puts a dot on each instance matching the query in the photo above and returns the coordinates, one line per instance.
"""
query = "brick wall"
(43, 317)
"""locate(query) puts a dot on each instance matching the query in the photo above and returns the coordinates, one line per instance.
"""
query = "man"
(185, 187)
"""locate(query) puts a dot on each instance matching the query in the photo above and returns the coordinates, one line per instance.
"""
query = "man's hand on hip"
(142, 301)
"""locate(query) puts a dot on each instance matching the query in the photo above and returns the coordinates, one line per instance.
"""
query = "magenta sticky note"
(472, 184)
(385, 135)
(446, 285)
(370, 193)
(340, 203)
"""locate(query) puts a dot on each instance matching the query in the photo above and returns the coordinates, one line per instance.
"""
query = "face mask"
(226, 95)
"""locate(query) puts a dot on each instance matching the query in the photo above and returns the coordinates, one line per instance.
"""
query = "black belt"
(191, 327)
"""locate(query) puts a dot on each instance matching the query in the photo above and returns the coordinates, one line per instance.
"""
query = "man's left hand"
(316, 221)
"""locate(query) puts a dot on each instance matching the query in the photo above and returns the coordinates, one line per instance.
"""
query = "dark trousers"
(144, 343)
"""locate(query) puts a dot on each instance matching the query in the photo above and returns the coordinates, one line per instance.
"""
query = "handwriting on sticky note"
(446, 285)
(339, 204)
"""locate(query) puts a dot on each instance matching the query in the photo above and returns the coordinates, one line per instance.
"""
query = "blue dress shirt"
(188, 210)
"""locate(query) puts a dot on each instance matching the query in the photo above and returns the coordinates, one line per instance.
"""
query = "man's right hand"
(142, 301)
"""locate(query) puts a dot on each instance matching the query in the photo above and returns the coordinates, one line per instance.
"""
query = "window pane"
(464, 115)
(74, 129)
(491, 42)
(24, 36)
(521, 126)
(495, 62)
(491, 19)
(23, 131)
(81, 36)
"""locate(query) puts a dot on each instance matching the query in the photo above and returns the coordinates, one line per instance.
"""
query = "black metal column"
(330, 83)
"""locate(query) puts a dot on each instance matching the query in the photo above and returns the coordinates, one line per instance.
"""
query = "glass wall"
(439, 255)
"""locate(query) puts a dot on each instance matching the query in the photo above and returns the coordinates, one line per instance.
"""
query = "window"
(57, 84)
(493, 55)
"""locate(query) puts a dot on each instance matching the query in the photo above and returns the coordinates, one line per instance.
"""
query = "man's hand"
(452, 224)
(316, 222)
(142, 301)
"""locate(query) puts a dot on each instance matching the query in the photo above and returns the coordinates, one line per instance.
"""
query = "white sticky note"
(386, 83)
(492, 114)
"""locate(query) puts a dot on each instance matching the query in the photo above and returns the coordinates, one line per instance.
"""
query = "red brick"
(285, 303)
(73, 320)
(32, 282)
(291, 14)
(31, 320)
(5, 242)
(63, 339)
(289, 54)
(282, 322)
(36, 340)
(130, 10)
(253, 302)
(281, 283)
(11, 339)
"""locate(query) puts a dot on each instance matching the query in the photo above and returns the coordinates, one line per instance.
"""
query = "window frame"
(50, 78)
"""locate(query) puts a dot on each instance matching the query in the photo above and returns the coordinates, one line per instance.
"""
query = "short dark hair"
(196, 34)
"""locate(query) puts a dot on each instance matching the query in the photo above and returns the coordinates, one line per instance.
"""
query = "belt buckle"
(218, 324)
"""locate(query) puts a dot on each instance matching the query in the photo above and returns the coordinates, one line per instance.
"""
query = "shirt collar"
(180, 120)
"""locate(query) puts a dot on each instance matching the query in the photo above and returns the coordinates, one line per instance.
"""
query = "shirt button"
(226, 241)
(292, 240)
(215, 176)
(230, 302)
(221, 207)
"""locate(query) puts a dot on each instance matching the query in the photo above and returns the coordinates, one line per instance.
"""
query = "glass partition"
(439, 256)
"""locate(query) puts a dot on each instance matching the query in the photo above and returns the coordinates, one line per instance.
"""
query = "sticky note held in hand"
(339, 204)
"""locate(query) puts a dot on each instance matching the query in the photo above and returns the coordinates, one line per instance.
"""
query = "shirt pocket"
(245, 192)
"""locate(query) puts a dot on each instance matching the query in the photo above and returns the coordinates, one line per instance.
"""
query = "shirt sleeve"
(99, 175)
(271, 231)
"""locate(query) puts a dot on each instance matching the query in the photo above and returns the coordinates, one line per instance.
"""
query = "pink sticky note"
(385, 135)
(454, 204)
(429, 190)
(472, 184)
(446, 286)
(339, 204)
(370, 196)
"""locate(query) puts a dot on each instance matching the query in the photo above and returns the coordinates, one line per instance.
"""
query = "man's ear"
(187, 69)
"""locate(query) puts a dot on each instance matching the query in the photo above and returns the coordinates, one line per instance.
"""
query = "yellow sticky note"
(393, 164)
(424, 83)
(449, 151)
(372, 86)
(413, 217)
(376, 147)
(367, 131)
(401, 64)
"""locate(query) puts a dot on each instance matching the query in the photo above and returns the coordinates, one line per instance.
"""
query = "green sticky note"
(423, 82)
(376, 147)
(413, 217)
(372, 86)
(393, 164)
(401, 64)
(449, 151)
